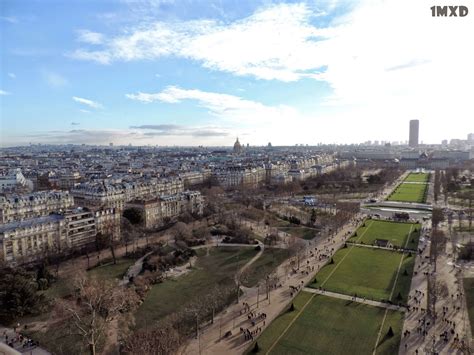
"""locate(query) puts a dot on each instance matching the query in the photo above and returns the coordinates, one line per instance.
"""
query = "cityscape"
(217, 177)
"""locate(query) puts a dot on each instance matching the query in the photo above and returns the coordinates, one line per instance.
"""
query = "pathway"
(211, 340)
(134, 270)
(33, 350)
(355, 299)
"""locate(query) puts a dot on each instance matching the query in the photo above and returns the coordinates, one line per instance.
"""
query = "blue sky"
(202, 72)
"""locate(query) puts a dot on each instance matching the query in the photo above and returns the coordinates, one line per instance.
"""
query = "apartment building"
(29, 240)
(19, 207)
(157, 211)
(115, 195)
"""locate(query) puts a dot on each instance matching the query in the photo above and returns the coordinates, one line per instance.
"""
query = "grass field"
(331, 326)
(417, 177)
(110, 271)
(368, 273)
(217, 268)
(300, 232)
(63, 286)
(408, 192)
(395, 232)
(269, 261)
(469, 291)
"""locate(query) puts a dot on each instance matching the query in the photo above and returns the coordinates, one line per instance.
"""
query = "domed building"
(237, 147)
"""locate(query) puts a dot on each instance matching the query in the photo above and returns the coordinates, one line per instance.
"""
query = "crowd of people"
(18, 340)
(428, 322)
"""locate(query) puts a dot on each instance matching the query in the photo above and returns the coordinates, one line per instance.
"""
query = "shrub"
(390, 332)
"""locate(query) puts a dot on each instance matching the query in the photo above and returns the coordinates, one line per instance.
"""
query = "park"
(325, 325)
(414, 188)
(398, 234)
(336, 304)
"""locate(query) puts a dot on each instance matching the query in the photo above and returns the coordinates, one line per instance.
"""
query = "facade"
(13, 180)
(414, 133)
(167, 208)
(19, 207)
(115, 195)
(237, 147)
(238, 175)
(26, 241)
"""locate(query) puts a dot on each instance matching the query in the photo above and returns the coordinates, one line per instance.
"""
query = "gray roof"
(30, 222)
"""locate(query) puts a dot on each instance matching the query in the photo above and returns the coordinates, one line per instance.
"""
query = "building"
(18, 207)
(29, 240)
(14, 180)
(115, 195)
(157, 212)
(237, 147)
(414, 133)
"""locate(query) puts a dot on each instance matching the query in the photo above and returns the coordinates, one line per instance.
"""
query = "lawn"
(469, 291)
(331, 326)
(63, 286)
(409, 192)
(269, 261)
(368, 273)
(417, 177)
(300, 232)
(217, 268)
(395, 232)
(111, 271)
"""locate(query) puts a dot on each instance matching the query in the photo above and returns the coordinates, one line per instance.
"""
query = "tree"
(297, 248)
(164, 339)
(129, 233)
(18, 294)
(390, 332)
(437, 217)
(134, 215)
(96, 304)
(313, 217)
(181, 231)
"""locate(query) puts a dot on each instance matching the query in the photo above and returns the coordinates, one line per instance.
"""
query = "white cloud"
(87, 102)
(90, 37)
(4, 93)
(275, 43)
(384, 61)
(224, 106)
(53, 79)
(9, 19)
(12, 75)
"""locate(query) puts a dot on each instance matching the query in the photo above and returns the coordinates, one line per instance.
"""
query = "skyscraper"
(414, 132)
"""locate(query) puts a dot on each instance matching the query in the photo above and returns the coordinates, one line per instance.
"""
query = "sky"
(203, 72)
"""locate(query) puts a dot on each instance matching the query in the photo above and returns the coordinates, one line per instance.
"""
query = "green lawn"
(331, 326)
(300, 232)
(417, 177)
(367, 272)
(395, 232)
(111, 271)
(63, 287)
(408, 192)
(469, 291)
(217, 268)
(269, 261)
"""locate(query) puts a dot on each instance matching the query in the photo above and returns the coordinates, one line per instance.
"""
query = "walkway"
(134, 270)
(36, 350)
(401, 250)
(355, 299)
(211, 339)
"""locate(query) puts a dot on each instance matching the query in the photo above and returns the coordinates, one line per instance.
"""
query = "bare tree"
(164, 339)
(297, 248)
(181, 231)
(97, 303)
